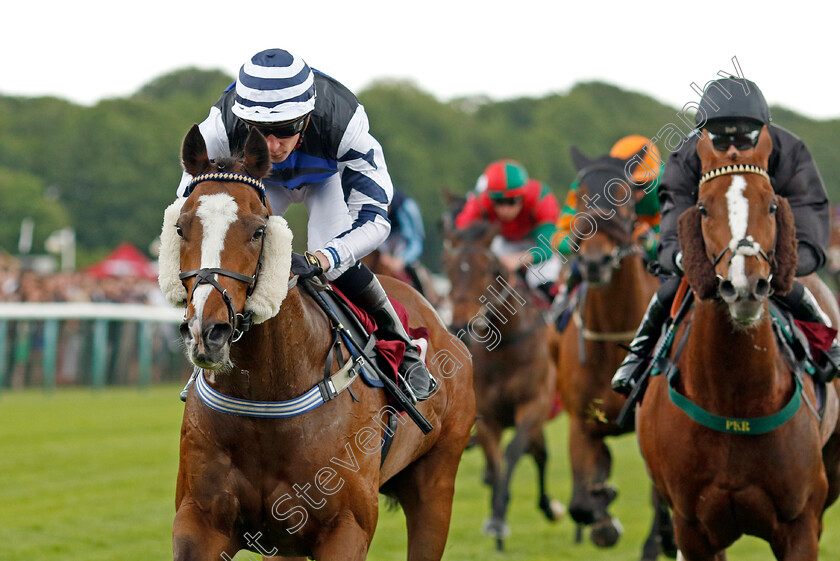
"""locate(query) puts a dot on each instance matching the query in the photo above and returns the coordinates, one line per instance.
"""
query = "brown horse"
(514, 369)
(726, 438)
(615, 290)
(417, 277)
(292, 484)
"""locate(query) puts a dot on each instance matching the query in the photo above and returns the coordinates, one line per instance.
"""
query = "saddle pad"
(363, 325)
(819, 336)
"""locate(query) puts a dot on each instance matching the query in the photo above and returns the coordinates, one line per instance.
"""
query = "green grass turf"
(91, 476)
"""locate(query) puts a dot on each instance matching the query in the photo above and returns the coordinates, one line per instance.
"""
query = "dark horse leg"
(496, 526)
(591, 495)
(551, 508)
(661, 537)
(489, 436)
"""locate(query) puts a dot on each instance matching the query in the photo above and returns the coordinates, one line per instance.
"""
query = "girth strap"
(319, 394)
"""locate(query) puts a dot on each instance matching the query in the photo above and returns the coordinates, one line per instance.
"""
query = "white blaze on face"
(739, 213)
(217, 213)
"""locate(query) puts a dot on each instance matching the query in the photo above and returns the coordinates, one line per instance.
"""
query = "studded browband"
(728, 170)
(226, 176)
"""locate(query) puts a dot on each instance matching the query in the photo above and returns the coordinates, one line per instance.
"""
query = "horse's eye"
(703, 212)
(258, 234)
(179, 231)
(773, 208)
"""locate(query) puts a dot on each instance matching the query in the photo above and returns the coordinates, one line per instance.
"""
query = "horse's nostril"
(762, 288)
(218, 333)
(727, 290)
(184, 330)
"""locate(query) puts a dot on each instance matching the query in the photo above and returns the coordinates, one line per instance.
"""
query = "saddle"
(356, 328)
(359, 325)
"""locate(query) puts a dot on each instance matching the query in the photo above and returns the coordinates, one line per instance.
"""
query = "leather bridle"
(241, 322)
(746, 247)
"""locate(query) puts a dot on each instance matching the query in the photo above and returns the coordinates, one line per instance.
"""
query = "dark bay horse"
(512, 352)
(732, 439)
(614, 293)
(291, 472)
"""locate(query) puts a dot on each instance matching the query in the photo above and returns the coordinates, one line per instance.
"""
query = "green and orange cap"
(505, 179)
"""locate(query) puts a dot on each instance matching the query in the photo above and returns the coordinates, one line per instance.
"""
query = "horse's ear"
(706, 152)
(763, 148)
(491, 232)
(257, 160)
(578, 158)
(698, 268)
(582, 191)
(785, 257)
(194, 153)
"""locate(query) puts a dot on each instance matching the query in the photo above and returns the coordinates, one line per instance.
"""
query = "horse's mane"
(617, 228)
(475, 232)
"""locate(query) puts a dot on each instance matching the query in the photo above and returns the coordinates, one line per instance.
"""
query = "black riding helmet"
(746, 102)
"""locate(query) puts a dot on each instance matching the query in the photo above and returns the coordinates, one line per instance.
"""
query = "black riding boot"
(807, 309)
(640, 347)
(421, 384)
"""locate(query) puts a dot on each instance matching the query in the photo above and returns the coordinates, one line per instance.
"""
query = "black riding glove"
(306, 265)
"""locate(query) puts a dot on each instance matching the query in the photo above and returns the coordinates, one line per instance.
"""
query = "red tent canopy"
(125, 261)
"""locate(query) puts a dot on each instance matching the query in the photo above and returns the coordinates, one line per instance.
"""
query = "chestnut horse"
(417, 277)
(513, 363)
(303, 481)
(612, 298)
(726, 438)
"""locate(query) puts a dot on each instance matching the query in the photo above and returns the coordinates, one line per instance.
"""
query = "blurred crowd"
(23, 363)
(19, 285)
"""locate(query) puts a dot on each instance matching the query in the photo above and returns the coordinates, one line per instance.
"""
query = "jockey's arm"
(470, 213)
(798, 180)
(364, 177)
(677, 192)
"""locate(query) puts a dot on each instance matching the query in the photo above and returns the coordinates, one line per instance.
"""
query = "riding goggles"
(740, 140)
(506, 201)
(281, 130)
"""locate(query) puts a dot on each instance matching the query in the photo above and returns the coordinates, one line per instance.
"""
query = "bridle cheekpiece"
(746, 247)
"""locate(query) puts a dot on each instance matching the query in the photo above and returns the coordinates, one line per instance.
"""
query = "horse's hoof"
(496, 528)
(606, 532)
(668, 548)
(553, 509)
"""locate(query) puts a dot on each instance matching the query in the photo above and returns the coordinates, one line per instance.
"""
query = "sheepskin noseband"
(272, 281)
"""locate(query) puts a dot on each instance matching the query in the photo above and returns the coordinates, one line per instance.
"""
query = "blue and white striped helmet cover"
(274, 86)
